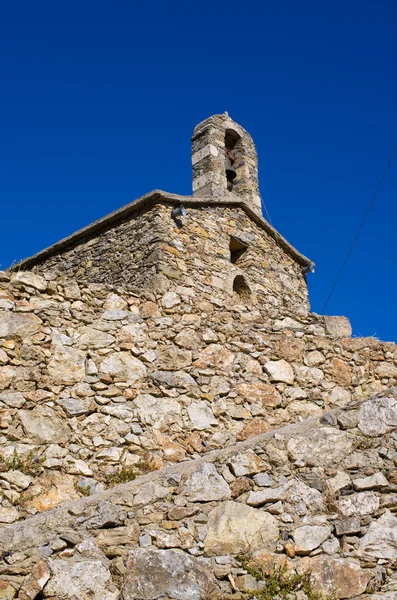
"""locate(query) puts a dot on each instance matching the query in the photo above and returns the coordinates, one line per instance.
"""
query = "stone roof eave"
(145, 202)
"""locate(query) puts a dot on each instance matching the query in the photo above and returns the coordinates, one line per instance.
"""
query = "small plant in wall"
(128, 473)
(28, 465)
(122, 475)
(278, 583)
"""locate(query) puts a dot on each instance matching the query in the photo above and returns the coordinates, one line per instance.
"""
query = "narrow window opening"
(237, 249)
(231, 147)
(241, 287)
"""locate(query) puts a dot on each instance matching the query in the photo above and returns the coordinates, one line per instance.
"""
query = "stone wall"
(153, 251)
(317, 497)
(121, 254)
(97, 382)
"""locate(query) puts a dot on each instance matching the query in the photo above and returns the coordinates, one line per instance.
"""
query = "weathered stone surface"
(170, 299)
(118, 536)
(287, 323)
(75, 407)
(17, 479)
(67, 365)
(246, 463)
(368, 483)
(206, 485)
(172, 358)
(309, 537)
(135, 333)
(380, 541)
(173, 574)
(113, 314)
(337, 327)
(349, 525)
(13, 399)
(339, 396)
(8, 515)
(107, 515)
(234, 528)
(7, 591)
(115, 302)
(378, 416)
(306, 499)
(150, 492)
(339, 482)
(43, 425)
(314, 358)
(81, 579)
(177, 379)
(23, 279)
(7, 375)
(268, 495)
(260, 392)
(280, 370)
(255, 427)
(201, 415)
(35, 582)
(263, 480)
(363, 503)
(94, 338)
(18, 325)
(157, 411)
(187, 338)
(331, 576)
(340, 372)
(386, 370)
(289, 348)
(325, 447)
(51, 490)
(123, 367)
(214, 356)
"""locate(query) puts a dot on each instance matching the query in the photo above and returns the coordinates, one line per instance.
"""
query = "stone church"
(174, 421)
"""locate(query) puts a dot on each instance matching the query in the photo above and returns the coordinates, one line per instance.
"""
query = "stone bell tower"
(225, 161)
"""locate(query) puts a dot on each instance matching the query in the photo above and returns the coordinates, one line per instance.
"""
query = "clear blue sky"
(98, 102)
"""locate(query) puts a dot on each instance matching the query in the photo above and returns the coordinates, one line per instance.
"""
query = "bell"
(230, 170)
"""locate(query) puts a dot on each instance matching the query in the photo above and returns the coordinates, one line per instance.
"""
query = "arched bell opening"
(232, 149)
(241, 287)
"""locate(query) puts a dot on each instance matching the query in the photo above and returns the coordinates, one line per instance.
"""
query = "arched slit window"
(241, 288)
(232, 147)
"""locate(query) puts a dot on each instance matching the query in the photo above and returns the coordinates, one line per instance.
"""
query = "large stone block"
(43, 425)
(151, 574)
(324, 446)
(206, 485)
(123, 367)
(234, 527)
(18, 325)
(337, 327)
(378, 416)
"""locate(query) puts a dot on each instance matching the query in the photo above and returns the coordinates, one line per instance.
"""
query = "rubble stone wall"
(96, 382)
(154, 251)
(317, 497)
(118, 254)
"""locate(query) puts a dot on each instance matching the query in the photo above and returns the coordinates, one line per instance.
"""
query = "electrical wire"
(360, 228)
(264, 209)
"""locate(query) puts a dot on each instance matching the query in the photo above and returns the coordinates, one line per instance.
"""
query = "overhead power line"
(264, 210)
(360, 228)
